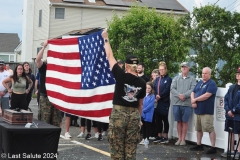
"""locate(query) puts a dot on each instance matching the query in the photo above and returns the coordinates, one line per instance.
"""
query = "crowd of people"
(186, 95)
(144, 112)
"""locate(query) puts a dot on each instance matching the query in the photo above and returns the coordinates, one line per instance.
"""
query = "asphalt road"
(81, 149)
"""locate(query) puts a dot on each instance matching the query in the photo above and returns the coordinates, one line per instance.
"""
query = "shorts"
(4, 101)
(235, 125)
(182, 113)
(66, 114)
(204, 123)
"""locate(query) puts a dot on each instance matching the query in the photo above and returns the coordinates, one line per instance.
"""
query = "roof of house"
(173, 5)
(80, 32)
(8, 42)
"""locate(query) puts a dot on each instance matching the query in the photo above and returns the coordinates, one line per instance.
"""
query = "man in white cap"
(181, 89)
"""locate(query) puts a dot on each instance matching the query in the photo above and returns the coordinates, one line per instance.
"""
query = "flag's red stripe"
(64, 69)
(64, 56)
(68, 41)
(94, 113)
(62, 83)
(81, 100)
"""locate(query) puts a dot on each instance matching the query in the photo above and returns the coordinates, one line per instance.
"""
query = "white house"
(46, 19)
(8, 42)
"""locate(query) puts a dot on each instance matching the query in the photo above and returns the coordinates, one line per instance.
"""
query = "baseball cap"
(131, 59)
(238, 70)
(185, 64)
(1, 61)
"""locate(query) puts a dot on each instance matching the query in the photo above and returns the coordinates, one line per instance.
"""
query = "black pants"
(146, 128)
(102, 126)
(105, 126)
(160, 120)
(74, 118)
(99, 126)
(18, 101)
(153, 127)
(28, 98)
(89, 124)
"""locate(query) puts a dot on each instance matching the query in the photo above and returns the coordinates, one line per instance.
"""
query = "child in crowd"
(147, 112)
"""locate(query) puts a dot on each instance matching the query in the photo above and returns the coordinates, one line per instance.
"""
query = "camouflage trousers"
(124, 132)
(47, 113)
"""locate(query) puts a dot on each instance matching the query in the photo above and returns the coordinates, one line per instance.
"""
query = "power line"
(231, 4)
(234, 7)
(216, 2)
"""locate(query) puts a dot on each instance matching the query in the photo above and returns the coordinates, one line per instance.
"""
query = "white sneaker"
(142, 142)
(81, 135)
(67, 135)
(104, 133)
(96, 135)
(152, 138)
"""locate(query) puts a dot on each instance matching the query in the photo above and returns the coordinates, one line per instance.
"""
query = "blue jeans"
(4, 103)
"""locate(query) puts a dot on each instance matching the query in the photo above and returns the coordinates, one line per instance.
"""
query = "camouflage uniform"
(123, 134)
(47, 113)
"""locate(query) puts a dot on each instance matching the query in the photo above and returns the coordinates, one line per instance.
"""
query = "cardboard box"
(17, 117)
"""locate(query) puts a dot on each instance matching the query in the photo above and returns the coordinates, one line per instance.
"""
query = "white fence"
(219, 122)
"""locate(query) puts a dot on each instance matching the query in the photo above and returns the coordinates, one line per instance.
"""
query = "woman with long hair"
(28, 72)
(19, 81)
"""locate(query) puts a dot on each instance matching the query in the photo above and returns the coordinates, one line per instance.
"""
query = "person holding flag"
(124, 122)
(47, 112)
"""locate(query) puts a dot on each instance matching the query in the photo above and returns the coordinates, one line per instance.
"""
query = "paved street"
(79, 148)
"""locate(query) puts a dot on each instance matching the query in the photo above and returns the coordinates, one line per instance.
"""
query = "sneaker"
(157, 139)
(67, 135)
(211, 150)
(237, 155)
(197, 148)
(96, 135)
(152, 138)
(81, 135)
(164, 140)
(142, 142)
(88, 136)
(104, 133)
(182, 143)
(178, 143)
(225, 154)
(100, 137)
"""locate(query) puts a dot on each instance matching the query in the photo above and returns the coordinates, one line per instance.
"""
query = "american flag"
(78, 79)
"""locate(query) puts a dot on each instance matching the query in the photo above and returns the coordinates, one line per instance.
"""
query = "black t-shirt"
(146, 79)
(42, 71)
(128, 88)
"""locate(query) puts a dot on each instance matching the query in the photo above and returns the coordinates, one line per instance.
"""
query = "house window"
(59, 13)
(5, 58)
(11, 57)
(8, 58)
(38, 49)
(40, 19)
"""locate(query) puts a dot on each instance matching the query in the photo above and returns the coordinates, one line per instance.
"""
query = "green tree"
(212, 32)
(151, 36)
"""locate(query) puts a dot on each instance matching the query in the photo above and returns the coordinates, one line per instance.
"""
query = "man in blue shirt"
(202, 99)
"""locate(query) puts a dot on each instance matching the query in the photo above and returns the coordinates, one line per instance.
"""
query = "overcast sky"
(11, 12)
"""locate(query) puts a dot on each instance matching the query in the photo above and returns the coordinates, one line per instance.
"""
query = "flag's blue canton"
(95, 67)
